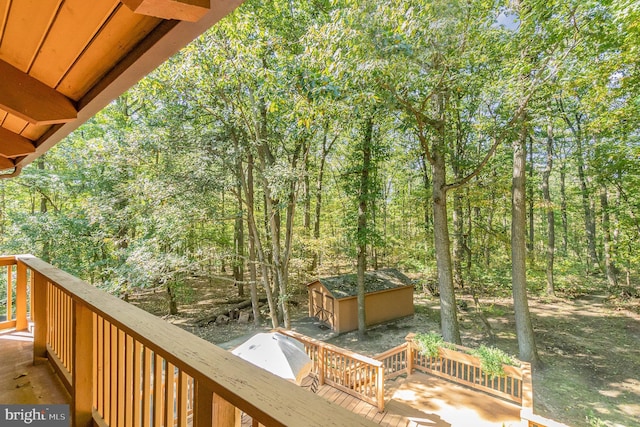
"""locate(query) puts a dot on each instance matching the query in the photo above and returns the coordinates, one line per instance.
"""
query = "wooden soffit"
(62, 61)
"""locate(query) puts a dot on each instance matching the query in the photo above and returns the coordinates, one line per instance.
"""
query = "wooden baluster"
(106, 370)
(183, 397)
(130, 391)
(169, 393)
(21, 297)
(100, 365)
(122, 388)
(9, 292)
(82, 374)
(224, 413)
(158, 395)
(113, 393)
(147, 391)
(138, 375)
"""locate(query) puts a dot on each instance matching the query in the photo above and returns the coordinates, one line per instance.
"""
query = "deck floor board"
(423, 400)
(22, 382)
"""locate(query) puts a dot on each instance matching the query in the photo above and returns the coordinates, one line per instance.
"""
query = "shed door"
(323, 307)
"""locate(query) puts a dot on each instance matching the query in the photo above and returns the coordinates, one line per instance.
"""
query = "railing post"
(82, 371)
(21, 297)
(527, 391)
(321, 364)
(380, 388)
(39, 315)
(203, 405)
(409, 354)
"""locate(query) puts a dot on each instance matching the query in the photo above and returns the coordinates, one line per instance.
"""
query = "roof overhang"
(61, 62)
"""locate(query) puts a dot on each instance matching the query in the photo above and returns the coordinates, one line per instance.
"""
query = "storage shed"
(389, 296)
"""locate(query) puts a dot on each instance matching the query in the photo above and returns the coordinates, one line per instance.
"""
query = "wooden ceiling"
(62, 61)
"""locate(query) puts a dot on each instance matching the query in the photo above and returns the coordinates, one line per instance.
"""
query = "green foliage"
(429, 343)
(148, 188)
(492, 360)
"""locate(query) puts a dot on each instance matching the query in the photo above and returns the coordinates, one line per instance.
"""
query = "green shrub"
(429, 343)
(492, 359)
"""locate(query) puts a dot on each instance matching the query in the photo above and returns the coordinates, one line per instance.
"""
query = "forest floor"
(589, 344)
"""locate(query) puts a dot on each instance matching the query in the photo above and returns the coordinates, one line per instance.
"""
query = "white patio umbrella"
(277, 353)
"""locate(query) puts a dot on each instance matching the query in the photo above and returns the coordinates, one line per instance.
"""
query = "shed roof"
(374, 281)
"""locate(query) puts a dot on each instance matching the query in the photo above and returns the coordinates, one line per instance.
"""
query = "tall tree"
(548, 205)
(362, 231)
(524, 329)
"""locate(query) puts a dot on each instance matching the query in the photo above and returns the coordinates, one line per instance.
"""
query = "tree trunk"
(238, 236)
(373, 225)
(589, 220)
(563, 210)
(248, 186)
(326, 148)
(173, 305)
(489, 233)
(277, 260)
(306, 190)
(253, 274)
(448, 312)
(610, 268)
(458, 240)
(524, 328)
(530, 215)
(551, 236)
(362, 232)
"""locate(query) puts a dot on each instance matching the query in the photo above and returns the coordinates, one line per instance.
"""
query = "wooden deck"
(425, 400)
(419, 400)
(22, 382)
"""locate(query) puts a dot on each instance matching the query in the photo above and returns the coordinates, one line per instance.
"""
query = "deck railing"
(125, 367)
(353, 373)
(458, 366)
(395, 361)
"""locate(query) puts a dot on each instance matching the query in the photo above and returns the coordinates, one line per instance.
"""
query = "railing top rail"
(272, 400)
(8, 259)
(392, 351)
(351, 354)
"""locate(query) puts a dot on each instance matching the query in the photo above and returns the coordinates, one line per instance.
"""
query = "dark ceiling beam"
(14, 145)
(182, 10)
(32, 100)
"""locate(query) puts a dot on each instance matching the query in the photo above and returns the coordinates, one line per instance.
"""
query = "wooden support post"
(203, 405)
(39, 315)
(224, 413)
(380, 388)
(527, 391)
(409, 340)
(21, 297)
(82, 375)
(321, 365)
